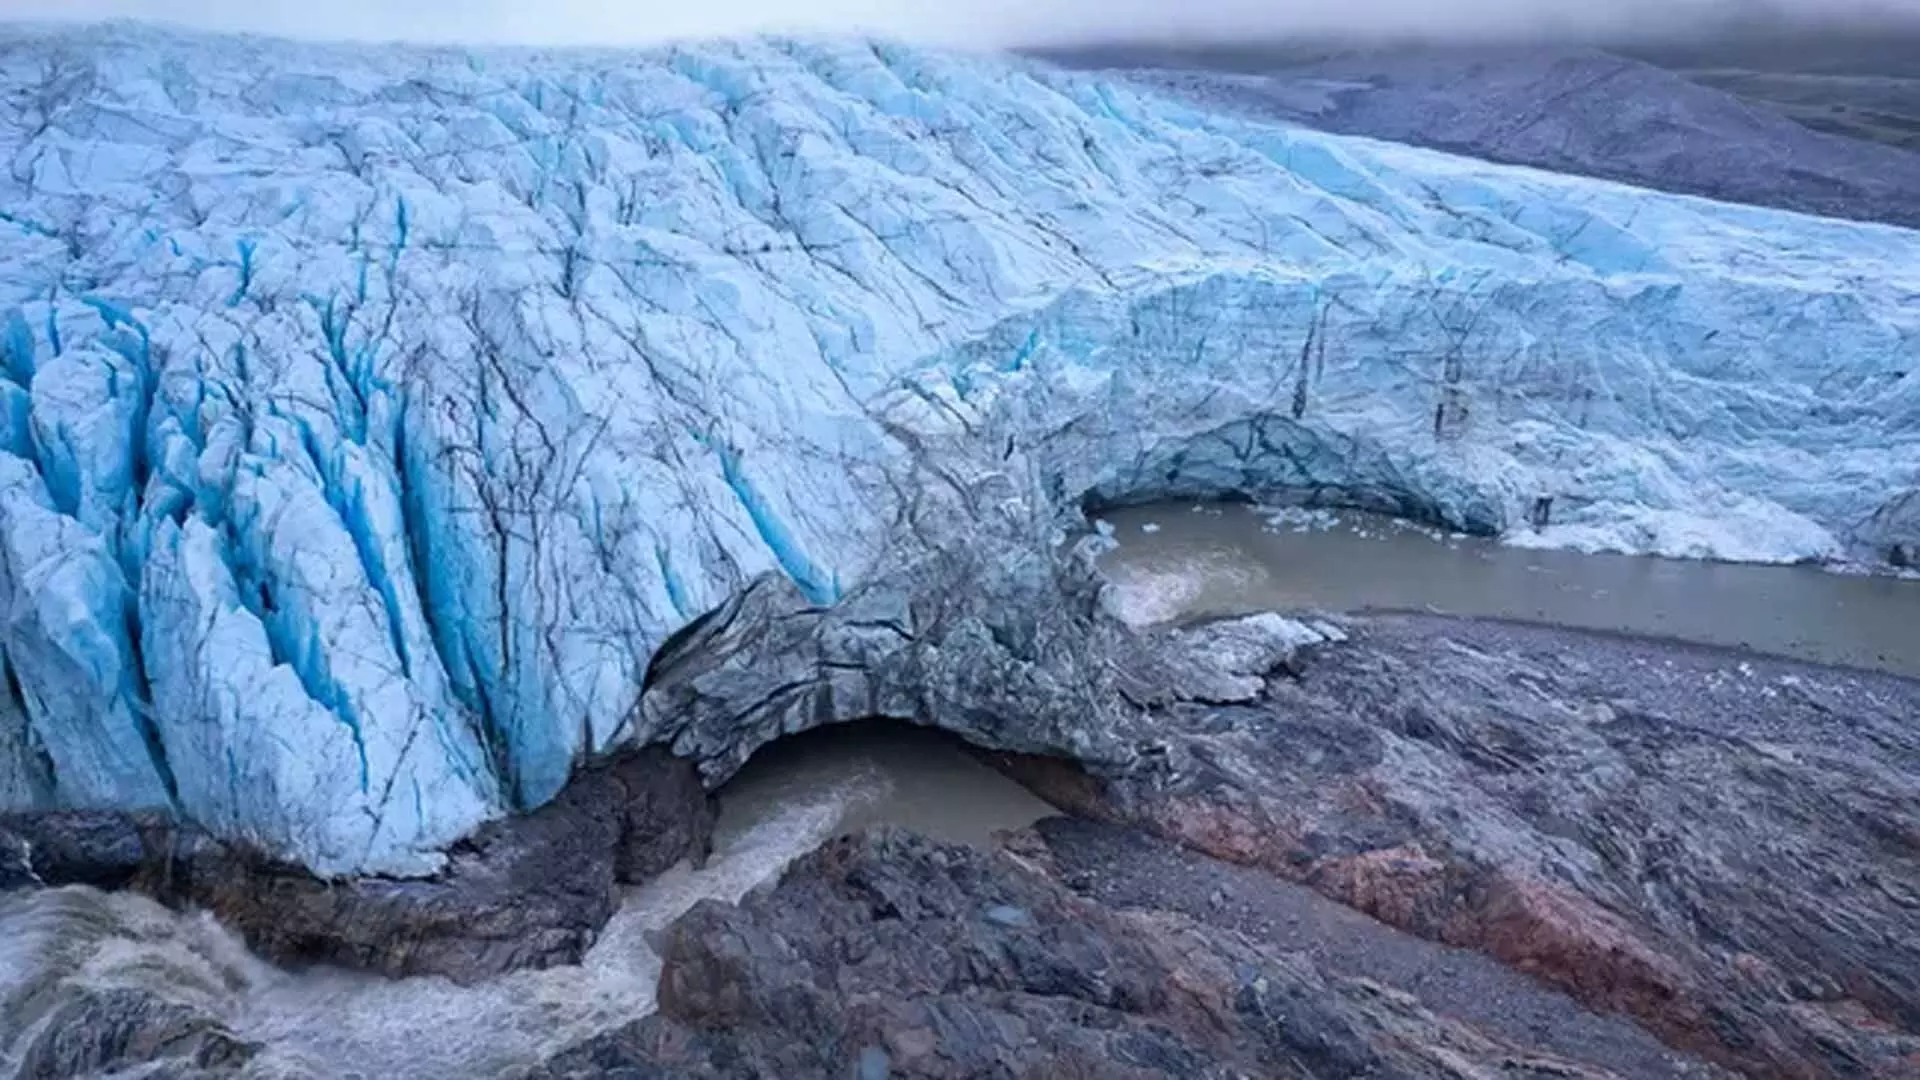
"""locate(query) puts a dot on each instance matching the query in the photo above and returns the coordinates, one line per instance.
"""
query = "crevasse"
(371, 414)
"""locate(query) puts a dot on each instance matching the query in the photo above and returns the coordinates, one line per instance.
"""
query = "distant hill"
(1733, 120)
(1862, 85)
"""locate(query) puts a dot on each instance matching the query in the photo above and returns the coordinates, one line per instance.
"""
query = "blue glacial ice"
(372, 414)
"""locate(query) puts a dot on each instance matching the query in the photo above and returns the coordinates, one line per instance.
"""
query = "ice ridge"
(369, 416)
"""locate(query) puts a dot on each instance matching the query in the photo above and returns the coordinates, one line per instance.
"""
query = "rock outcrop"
(1122, 868)
(530, 891)
(1019, 660)
(99, 1032)
(884, 955)
(1725, 846)
(112, 984)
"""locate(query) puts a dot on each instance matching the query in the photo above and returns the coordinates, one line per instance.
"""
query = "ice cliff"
(371, 415)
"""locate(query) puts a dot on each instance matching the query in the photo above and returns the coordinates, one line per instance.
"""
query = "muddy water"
(917, 778)
(329, 1023)
(1178, 562)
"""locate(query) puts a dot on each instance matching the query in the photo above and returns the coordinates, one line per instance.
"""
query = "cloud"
(962, 22)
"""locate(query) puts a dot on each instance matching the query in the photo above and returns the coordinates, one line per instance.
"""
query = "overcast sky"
(964, 22)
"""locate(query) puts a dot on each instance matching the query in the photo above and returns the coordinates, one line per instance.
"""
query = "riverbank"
(1684, 853)
(538, 939)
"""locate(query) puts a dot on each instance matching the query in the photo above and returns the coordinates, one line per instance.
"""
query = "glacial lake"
(1180, 562)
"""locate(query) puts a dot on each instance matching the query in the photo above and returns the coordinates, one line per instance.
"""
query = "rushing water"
(333, 1023)
(1175, 562)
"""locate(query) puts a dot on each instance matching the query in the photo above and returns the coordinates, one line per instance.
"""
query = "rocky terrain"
(1876, 108)
(1864, 84)
(529, 891)
(1123, 868)
(1818, 142)
(885, 955)
(1724, 846)
(1391, 845)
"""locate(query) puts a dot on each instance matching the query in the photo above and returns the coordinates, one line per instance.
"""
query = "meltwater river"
(330, 1023)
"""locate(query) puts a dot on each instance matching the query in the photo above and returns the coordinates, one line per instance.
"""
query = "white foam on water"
(1297, 518)
(1139, 596)
(1153, 591)
(56, 942)
(349, 1024)
(328, 1022)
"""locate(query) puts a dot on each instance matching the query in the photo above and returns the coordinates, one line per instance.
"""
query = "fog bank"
(981, 23)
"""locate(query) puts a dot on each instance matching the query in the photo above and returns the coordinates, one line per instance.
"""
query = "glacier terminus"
(373, 416)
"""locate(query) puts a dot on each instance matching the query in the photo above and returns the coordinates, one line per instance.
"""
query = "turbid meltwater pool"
(1183, 561)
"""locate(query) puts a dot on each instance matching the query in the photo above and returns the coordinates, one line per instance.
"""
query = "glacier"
(372, 415)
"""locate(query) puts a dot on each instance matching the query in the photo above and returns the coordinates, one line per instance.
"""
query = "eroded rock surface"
(887, 955)
(1126, 869)
(1723, 845)
(100, 984)
(531, 891)
(1018, 660)
(94, 1032)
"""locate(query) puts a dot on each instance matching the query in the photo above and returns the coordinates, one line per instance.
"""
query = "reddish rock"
(1715, 843)
(887, 955)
